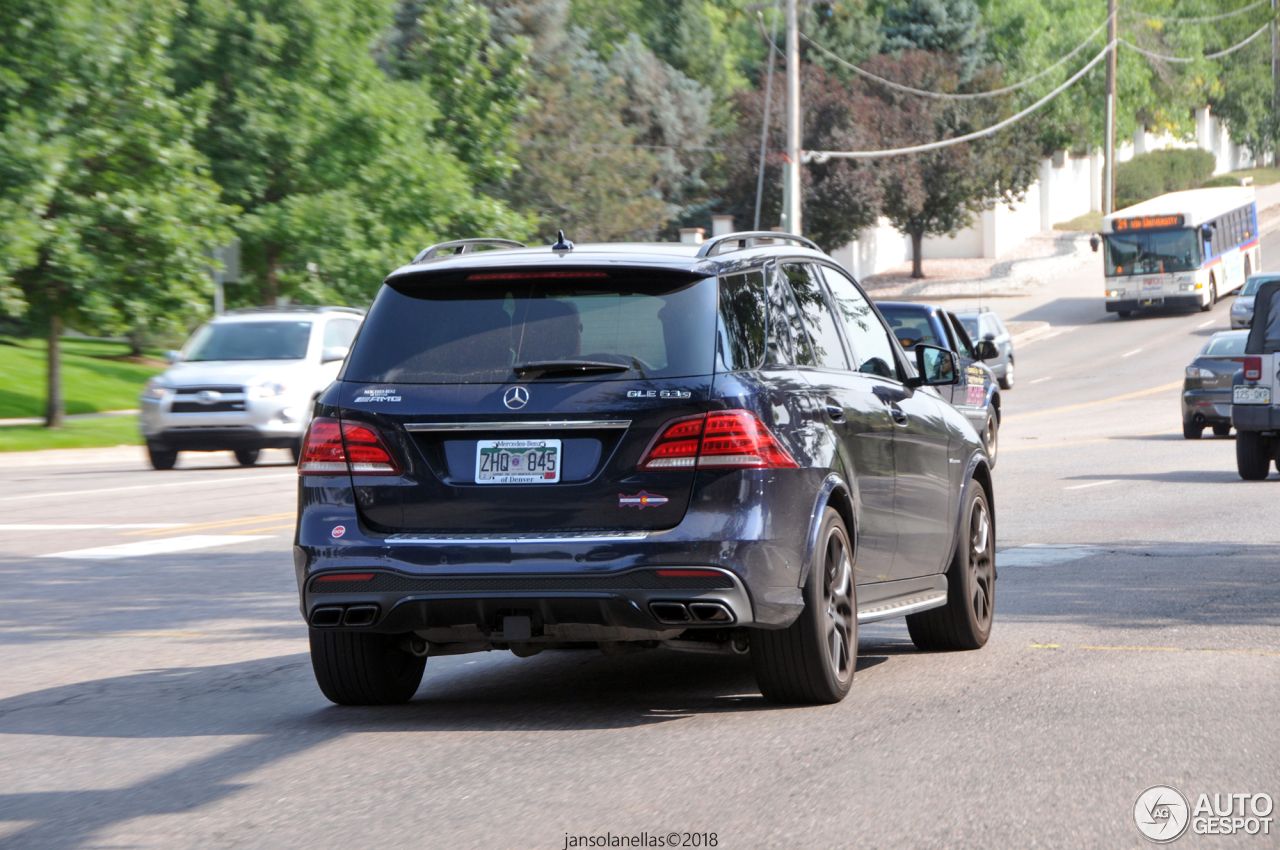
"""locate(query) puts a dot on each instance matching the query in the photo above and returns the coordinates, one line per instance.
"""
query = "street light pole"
(793, 196)
(1109, 175)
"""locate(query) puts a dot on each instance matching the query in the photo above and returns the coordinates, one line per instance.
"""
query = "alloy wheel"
(981, 564)
(837, 597)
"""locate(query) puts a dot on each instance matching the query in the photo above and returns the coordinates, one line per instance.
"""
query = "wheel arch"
(834, 493)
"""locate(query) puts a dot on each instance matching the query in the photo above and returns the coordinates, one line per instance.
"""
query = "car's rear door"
(447, 368)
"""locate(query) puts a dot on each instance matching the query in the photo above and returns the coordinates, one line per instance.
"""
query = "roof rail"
(463, 246)
(749, 239)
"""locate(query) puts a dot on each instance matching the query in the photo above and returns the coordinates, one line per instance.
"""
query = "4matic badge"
(641, 500)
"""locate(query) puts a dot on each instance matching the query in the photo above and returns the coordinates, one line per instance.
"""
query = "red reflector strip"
(688, 573)
(346, 577)
(533, 275)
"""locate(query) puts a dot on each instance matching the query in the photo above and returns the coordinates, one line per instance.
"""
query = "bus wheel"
(1213, 296)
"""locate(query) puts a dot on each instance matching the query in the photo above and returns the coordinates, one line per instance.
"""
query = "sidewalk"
(39, 420)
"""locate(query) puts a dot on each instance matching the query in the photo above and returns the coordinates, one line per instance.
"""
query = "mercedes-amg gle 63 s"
(716, 447)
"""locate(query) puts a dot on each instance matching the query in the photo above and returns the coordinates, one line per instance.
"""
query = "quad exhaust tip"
(675, 613)
(330, 616)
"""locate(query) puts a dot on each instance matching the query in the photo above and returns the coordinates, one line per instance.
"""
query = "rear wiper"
(543, 368)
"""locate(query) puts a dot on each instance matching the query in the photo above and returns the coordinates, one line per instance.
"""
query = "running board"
(901, 606)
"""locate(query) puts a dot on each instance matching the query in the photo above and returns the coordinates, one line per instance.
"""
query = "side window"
(987, 325)
(963, 344)
(870, 339)
(786, 343)
(828, 348)
(741, 330)
(339, 333)
(942, 329)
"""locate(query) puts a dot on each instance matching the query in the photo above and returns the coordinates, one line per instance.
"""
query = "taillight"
(1253, 368)
(729, 439)
(333, 448)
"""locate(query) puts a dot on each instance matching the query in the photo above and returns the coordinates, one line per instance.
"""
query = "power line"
(1232, 49)
(1141, 14)
(973, 96)
(823, 156)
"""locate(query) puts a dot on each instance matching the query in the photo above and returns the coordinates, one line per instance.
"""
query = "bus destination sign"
(1146, 222)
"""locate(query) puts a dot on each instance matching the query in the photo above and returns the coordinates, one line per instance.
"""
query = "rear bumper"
(1255, 417)
(1156, 302)
(1212, 408)
(451, 607)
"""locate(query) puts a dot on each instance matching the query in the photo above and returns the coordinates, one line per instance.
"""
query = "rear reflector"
(727, 439)
(346, 577)
(335, 448)
(1253, 368)
(688, 573)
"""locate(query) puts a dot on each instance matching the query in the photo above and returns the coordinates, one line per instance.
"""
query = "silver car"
(246, 381)
(1242, 307)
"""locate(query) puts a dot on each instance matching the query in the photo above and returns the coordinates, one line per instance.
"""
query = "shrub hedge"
(1155, 173)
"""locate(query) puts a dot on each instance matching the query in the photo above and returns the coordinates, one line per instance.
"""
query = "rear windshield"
(911, 326)
(1226, 346)
(484, 327)
(250, 341)
(970, 324)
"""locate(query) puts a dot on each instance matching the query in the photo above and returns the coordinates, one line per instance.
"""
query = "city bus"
(1183, 249)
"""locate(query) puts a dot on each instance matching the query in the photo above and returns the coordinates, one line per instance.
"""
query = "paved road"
(166, 699)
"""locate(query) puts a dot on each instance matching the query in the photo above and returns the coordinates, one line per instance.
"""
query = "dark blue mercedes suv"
(716, 447)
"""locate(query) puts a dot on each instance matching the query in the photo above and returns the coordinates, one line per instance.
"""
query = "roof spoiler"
(749, 239)
(463, 246)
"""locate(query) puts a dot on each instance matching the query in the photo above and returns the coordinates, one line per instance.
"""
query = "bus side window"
(1236, 230)
(1215, 241)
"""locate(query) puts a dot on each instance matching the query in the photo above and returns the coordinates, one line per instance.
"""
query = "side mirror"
(173, 356)
(936, 367)
(1094, 242)
(1206, 233)
(986, 350)
(334, 352)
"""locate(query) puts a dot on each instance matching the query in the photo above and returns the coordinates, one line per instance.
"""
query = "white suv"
(246, 381)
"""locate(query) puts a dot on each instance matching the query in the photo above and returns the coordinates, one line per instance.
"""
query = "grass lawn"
(1261, 176)
(1088, 221)
(95, 376)
(77, 434)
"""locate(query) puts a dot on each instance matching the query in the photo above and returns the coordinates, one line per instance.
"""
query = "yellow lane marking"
(195, 526)
(1085, 442)
(1098, 403)
(266, 528)
(1156, 649)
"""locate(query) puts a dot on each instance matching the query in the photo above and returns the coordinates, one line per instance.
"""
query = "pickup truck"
(1255, 396)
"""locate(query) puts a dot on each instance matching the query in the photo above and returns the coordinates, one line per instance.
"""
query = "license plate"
(1251, 395)
(1152, 284)
(517, 461)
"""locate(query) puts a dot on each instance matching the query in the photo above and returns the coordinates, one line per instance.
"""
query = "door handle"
(898, 414)
(835, 412)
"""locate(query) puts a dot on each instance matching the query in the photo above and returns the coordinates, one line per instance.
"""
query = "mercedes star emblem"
(515, 398)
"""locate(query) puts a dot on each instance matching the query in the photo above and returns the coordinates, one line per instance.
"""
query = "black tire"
(1124, 314)
(1213, 296)
(1221, 430)
(363, 668)
(247, 457)
(161, 458)
(1006, 383)
(1191, 430)
(296, 451)
(813, 660)
(1253, 456)
(991, 438)
(965, 621)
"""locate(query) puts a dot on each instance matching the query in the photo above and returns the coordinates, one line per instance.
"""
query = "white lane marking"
(1135, 351)
(1206, 324)
(1044, 555)
(157, 547)
(1041, 380)
(91, 525)
(1093, 484)
(188, 483)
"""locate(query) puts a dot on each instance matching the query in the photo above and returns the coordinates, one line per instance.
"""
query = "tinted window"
(742, 331)
(867, 335)
(340, 332)
(963, 343)
(448, 330)
(250, 341)
(792, 343)
(828, 348)
(971, 326)
(1226, 346)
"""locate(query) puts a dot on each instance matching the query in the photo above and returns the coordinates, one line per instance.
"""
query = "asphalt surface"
(161, 695)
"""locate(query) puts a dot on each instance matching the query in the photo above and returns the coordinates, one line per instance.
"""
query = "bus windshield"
(1152, 252)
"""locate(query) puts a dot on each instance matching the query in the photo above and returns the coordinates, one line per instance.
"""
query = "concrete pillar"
(1095, 180)
(692, 235)
(721, 225)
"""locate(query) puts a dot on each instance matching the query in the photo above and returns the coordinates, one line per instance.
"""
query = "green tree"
(340, 171)
(107, 206)
(947, 26)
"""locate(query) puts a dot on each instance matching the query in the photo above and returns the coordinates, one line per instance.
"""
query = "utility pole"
(1109, 176)
(792, 195)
